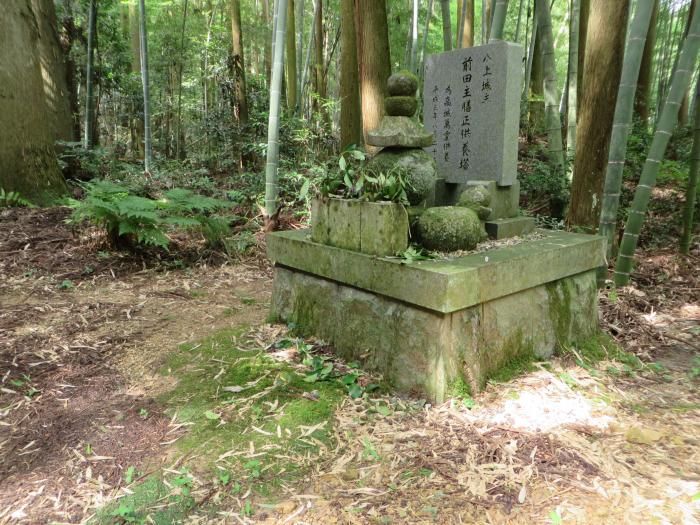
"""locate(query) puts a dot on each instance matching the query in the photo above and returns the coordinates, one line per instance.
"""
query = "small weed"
(368, 450)
(143, 413)
(66, 284)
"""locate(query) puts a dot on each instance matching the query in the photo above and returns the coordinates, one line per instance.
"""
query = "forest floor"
(145, 389)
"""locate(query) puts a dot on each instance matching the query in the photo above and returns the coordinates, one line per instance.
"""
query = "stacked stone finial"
(403, 140)
(397, 130)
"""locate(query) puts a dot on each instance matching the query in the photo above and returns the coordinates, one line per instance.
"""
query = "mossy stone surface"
(476, 198)
(402, 84)
(415, 165)
(401, 106)
(426, 353)
(450, 228)
(399, 132)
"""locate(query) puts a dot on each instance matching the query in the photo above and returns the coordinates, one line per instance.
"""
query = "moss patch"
(238, 402)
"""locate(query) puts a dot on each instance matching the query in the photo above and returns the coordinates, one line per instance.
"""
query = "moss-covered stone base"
(424, 352)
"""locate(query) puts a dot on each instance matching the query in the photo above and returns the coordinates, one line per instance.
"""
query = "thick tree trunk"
(34, 108)
(350, 111)
(373, 60)
(642, 99)
(605, 44)
(240, 90)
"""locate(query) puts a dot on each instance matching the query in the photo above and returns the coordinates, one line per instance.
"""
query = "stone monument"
(472, 107)
(430, 324)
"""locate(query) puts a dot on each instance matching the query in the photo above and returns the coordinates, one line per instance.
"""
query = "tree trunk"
(373, 60)
(647, 180)
(488, 19)
(692, 188)
(268, 46)
(291, 62)
(623, 120)
(300, 47)
(34, 107)
(414, 38)
(319, 69)
(572, 78)
(446, 25)
(136, 123)
(603, 64)
(426, 32)
(641, 102)
(585, 9)
(465, 18)
(683, 109)
(519, 22)
(179, 135)
(273, 127)
(498, 20)
(350, 111)
(551, 105)
(143, 40)
(90, 76)
(240, 89)
(536, 84)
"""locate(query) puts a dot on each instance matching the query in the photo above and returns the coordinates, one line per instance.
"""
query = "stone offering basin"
(429, 324)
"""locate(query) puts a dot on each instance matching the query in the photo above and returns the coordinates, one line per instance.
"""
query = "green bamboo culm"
(499, 20)
(446, 25)
(551, 96)
(572, 83)
(622, 122)
(692, 188)
(273, 126)
(143, 39)
(89, 77)
(664, 128)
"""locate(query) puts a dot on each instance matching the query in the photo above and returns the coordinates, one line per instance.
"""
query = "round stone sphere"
(449, 228)
(402, 84)
(415, 166)
(401, 106)
(478, 199)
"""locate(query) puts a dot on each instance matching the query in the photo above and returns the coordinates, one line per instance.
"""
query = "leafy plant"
(12, 199)
(128, 218)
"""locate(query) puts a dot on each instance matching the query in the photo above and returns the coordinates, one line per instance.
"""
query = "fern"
(127, 217)
(12, 199)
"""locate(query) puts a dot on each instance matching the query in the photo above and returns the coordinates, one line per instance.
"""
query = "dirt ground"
(84, 331)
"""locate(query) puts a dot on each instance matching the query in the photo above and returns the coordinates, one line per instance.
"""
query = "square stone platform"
(428, 324)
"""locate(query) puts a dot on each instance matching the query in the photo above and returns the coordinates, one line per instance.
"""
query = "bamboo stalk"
(667, 121)
(273, 128)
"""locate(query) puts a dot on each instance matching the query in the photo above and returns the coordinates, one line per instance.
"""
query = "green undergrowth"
(601, 348)
(253, 423)
(224, 389)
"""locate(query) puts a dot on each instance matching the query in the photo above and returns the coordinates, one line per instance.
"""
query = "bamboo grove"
(264, 86)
